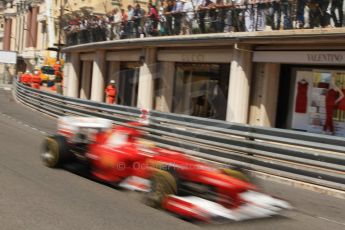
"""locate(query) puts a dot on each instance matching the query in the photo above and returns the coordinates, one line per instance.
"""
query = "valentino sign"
(325, 57)
(301, 57)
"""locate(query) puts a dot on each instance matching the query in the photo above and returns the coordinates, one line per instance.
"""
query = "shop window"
(316, 101)
(284, 92)
(201, 89)
(85, 78)
(127, 83)
(80, 78)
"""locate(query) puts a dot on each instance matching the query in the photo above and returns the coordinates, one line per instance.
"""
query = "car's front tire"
(163, 184)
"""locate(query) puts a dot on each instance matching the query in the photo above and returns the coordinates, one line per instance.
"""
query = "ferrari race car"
(170, 180)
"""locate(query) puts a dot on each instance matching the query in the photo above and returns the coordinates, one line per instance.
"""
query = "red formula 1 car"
(171, 180)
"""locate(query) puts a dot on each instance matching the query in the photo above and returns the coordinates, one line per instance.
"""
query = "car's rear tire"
(163, 184)
(55, 151)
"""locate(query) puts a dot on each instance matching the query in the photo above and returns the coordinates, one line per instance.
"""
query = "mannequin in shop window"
(333, 97)
(301, 98)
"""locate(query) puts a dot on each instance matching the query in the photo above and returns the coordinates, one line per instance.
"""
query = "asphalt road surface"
(33, 197)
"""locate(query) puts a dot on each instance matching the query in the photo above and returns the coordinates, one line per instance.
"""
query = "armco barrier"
(306, 157)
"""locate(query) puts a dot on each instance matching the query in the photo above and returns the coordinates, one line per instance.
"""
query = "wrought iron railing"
(261, 16)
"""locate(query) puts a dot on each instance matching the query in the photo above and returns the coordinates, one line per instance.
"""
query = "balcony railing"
(270, 15)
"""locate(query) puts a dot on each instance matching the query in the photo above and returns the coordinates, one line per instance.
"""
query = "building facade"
(250, 78)
(2, 22)
(32, 28)
(100, 6)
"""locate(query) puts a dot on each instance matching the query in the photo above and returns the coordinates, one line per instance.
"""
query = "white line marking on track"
(323, 218)
(319, 217)
(22, 123)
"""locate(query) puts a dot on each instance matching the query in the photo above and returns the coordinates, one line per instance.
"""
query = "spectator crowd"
(179, 17)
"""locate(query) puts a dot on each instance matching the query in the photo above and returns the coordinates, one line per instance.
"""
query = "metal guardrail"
(311, 158)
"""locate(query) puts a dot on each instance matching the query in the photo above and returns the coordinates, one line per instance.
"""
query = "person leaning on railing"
(168, 15)
(162, 25)
(187, 17)
(314, 14)
(337, 5)
(223, 16)
(116, 24)
(204, 7)
(230, 13)
(220, 11)
(300, 14)
(137, 18)
(130, 23)
(124, 18)
(255, 15)
(83, 32)
(177, 16)
(153, 19)
(107, 27)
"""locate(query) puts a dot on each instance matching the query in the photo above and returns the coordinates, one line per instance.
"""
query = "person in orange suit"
(57, 67)
(36, 79)
(111, 92)
(26, 78)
